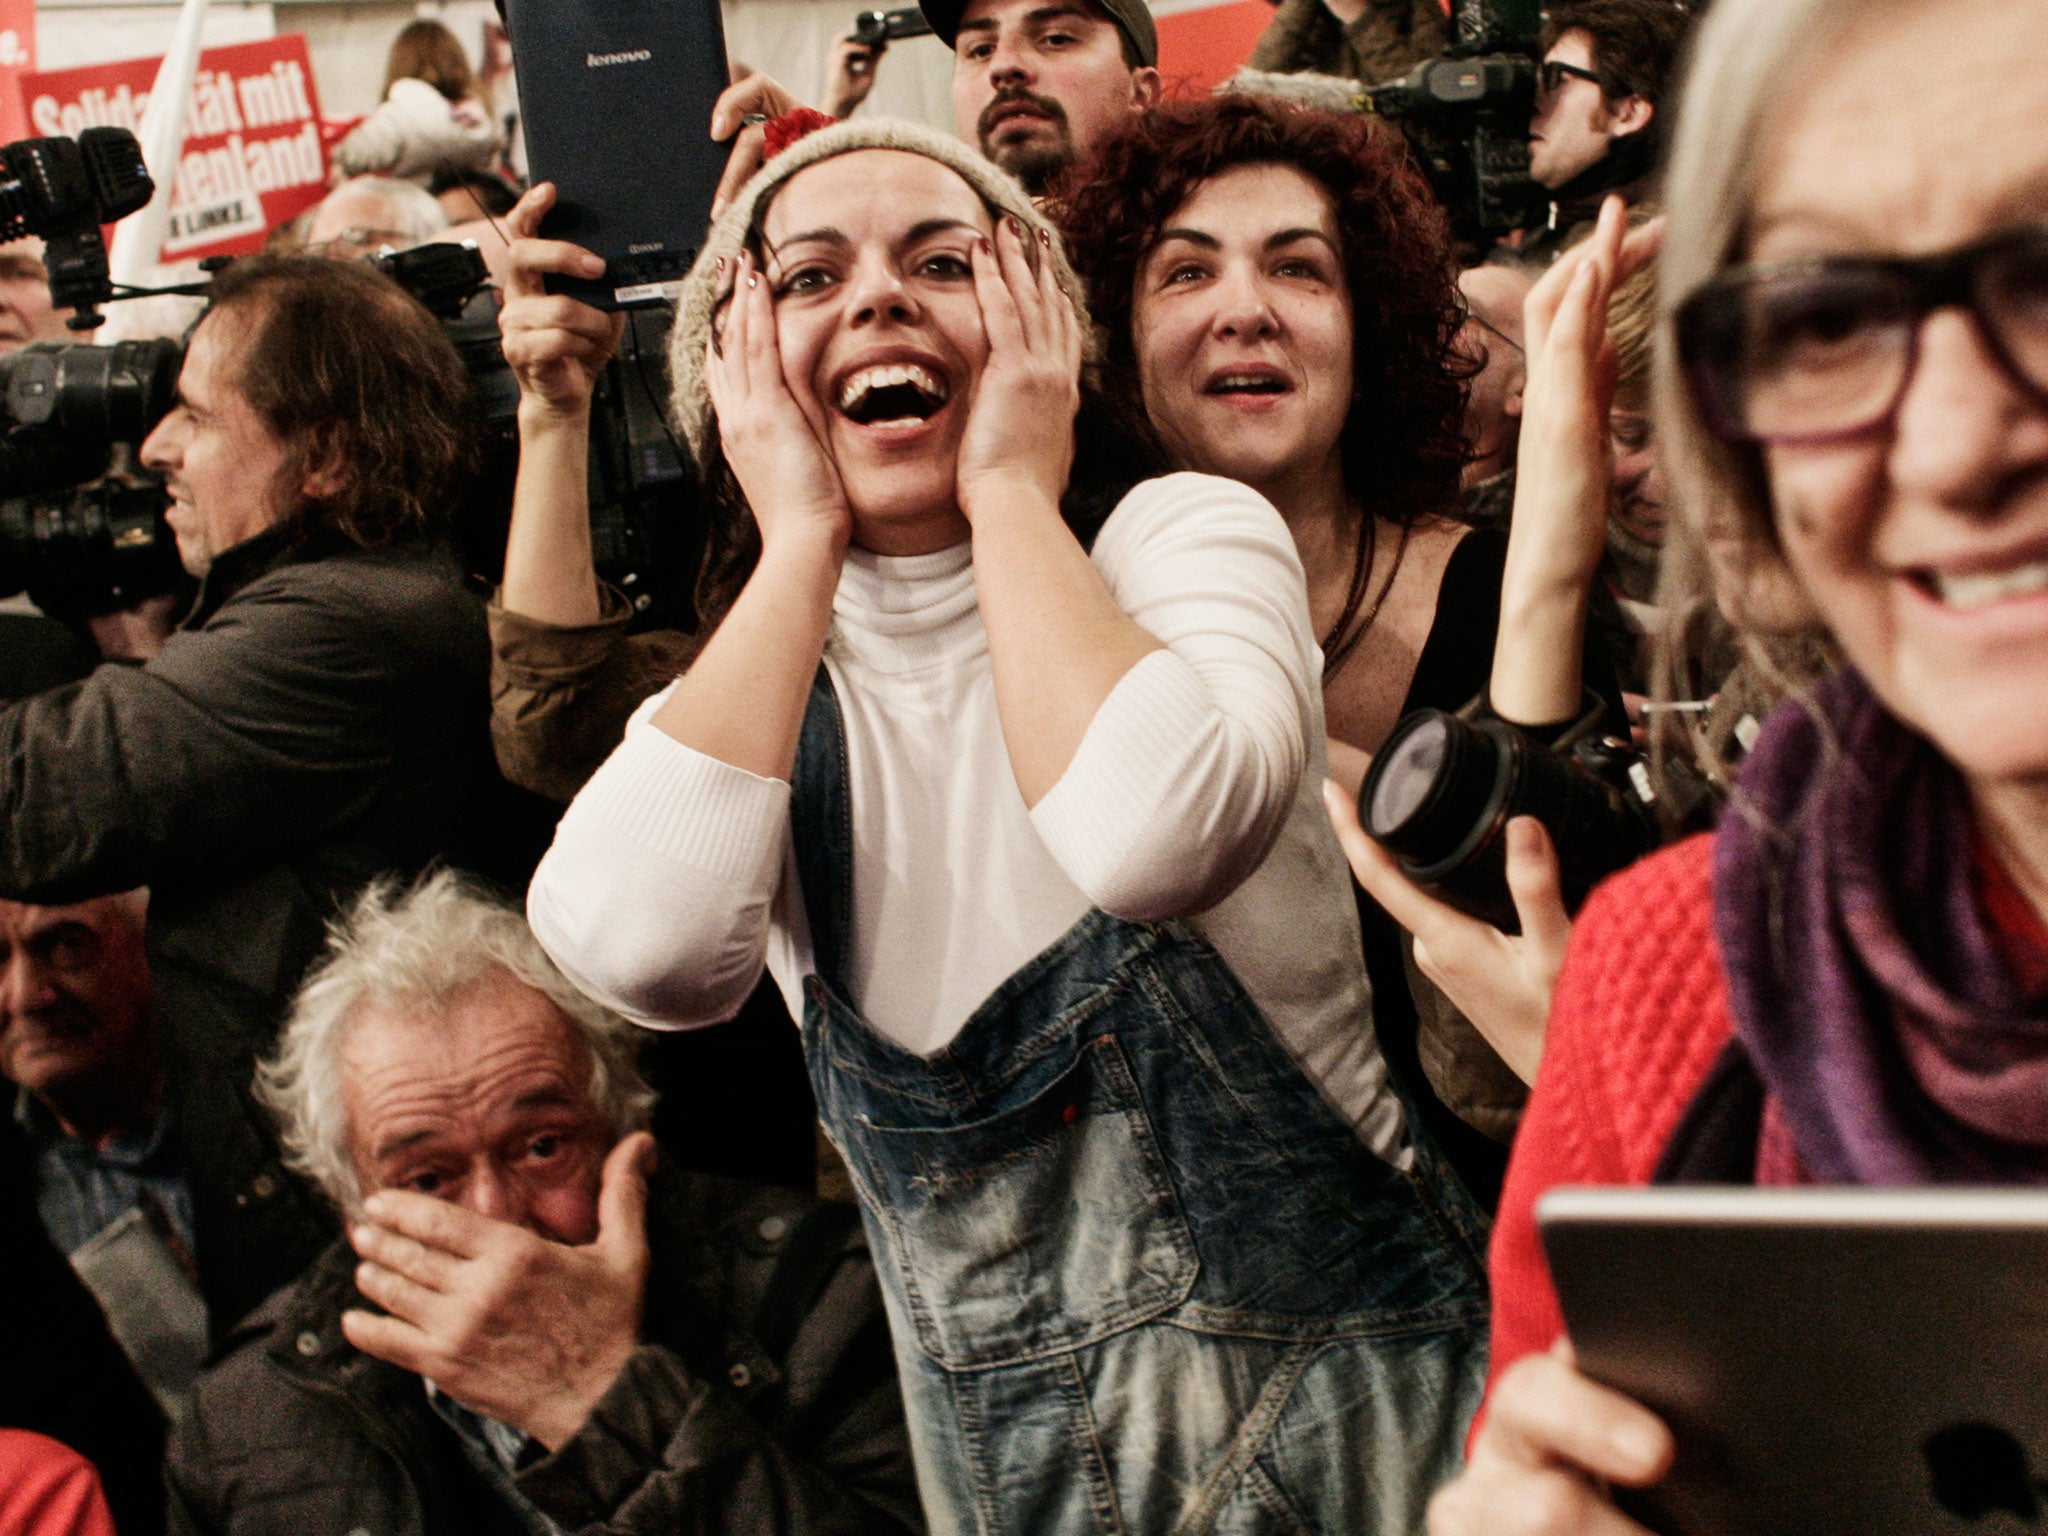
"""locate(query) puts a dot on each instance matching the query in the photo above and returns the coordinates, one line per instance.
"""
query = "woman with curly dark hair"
(1278, 291)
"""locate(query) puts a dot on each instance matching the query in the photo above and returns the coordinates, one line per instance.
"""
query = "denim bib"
(1142, 1278)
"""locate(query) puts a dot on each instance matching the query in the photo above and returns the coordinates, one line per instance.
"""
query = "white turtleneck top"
(1195, 792)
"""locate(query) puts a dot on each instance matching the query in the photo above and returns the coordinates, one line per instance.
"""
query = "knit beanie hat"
(697, 304)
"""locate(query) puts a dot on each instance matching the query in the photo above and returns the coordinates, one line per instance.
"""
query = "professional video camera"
(78, 541)
(642, 527)
(64, 190)
(82, 542)
(1443, 788)
(1467, 117)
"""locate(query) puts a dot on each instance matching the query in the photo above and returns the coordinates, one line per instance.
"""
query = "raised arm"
(657, 894)
(556, 347)
(1562, 472)
(1158, 701)
(1058, 642)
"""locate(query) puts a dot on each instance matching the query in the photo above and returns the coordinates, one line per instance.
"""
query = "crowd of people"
(959, 1038)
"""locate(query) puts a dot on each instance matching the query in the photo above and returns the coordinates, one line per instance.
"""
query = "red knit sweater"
(1641, 1012)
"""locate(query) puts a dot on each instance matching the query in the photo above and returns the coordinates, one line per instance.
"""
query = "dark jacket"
(1388, 40)
(61, 1372)
(319, 719)
(762, 1400)
(561, 694)
(1629, 168)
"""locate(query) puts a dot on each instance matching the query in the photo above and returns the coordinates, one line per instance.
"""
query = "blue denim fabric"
(1142, 1278)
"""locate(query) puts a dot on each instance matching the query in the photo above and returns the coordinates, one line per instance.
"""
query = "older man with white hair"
(525, 1331)
(366, 213)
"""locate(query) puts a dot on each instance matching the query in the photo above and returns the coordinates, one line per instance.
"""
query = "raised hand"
(1551, 1440)
(1565, 460)
(556, 346)
(850, 74)
(1019, 439)
(1564, 467)
(511, 1325)
(751, 96)
(788, 478)
(1501, 982)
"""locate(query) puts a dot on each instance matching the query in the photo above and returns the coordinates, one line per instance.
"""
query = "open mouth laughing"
(892, 393)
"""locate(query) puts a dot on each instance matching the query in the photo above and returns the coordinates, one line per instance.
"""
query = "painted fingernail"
(981, 244)
(753, 279)
(1045, 237)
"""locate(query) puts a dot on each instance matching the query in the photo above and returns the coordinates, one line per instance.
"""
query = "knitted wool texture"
(1640, 1014)
(698, 304)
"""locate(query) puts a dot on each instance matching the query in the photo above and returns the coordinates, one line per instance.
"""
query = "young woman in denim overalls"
(1031, 835)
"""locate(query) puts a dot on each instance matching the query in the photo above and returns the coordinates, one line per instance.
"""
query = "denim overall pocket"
(1050, 1224)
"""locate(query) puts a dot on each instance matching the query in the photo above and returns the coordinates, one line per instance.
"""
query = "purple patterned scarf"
(1865, 980)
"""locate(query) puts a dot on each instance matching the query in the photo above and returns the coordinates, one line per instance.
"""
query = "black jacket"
(1389, 38)
(762, 1400)
(319, 719)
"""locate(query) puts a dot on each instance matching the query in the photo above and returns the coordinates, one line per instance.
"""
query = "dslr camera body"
(1467, 117)
(1443, 788)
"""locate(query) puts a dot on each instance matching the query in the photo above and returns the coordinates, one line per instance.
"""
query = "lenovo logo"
(632, 56)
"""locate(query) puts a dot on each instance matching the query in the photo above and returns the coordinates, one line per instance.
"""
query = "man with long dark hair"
(316, 720)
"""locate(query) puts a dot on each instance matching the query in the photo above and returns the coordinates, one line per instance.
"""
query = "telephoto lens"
(1443, 789)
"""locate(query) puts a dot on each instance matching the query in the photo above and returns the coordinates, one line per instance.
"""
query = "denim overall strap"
(1141, 1277)
(821, 826)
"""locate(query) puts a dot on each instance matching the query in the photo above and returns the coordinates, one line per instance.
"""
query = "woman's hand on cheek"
(1019, 441)
(1551, 1438)
(783, 470)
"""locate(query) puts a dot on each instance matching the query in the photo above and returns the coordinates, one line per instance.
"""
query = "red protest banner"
(252, 158)
(17, 57)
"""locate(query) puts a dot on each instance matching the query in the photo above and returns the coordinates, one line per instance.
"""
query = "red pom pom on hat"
(792, 125)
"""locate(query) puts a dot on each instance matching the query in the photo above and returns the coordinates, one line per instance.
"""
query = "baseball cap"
(1133, 16)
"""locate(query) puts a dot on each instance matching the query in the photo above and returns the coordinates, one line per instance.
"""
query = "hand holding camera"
(1502, 982)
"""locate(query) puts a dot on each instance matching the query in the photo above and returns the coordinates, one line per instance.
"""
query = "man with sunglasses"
(1595, 127)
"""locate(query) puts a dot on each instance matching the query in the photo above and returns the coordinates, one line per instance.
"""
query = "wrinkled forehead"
(870, 194)
(22, 260)
(107, 916)
(353, 208)
(1921, 126)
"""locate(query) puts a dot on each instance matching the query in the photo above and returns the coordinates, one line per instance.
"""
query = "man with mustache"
(1037, 84)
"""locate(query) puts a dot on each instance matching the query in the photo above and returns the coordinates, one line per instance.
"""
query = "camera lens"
(1431, 786)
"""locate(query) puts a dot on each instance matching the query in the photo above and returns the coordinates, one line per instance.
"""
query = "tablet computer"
(1832, 1362)
(616, 98)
